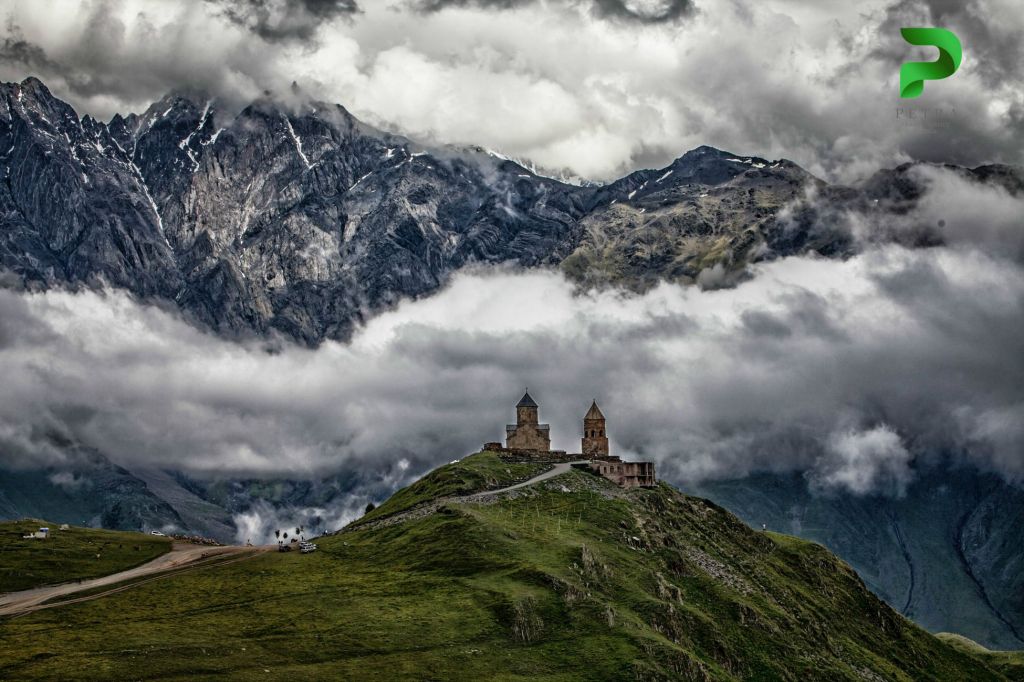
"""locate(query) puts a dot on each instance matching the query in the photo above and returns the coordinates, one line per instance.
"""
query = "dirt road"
(182, 557)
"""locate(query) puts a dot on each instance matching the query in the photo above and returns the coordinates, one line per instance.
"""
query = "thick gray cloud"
(258, 523)
(285, 20)
(588, 87)
(853, 371)
(109, 57)
(991, 43)
(646, 11)
(642, 11)
(863, 462)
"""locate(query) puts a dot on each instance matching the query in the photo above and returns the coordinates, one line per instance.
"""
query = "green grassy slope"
(594, 583)
(75, 554)
(1009, 663)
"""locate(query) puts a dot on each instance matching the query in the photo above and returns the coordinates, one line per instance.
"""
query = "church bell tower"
(595, 439)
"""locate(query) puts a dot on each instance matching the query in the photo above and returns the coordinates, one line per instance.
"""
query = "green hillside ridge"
(73, 554)
(1009, 663)
(482, 471)
(572, 578)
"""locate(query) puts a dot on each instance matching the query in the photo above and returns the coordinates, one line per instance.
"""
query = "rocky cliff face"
(300, 220)
(74, 206)
(708, 208)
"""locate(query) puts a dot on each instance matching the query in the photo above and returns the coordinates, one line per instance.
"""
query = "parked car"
(307, 547)
(284, 548)
(157, 533)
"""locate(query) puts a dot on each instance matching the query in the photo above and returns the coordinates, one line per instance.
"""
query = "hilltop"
(567, 578)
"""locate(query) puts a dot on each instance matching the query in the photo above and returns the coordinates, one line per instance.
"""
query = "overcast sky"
(595, 87)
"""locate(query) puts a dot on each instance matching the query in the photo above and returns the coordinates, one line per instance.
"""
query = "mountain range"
(298, 219)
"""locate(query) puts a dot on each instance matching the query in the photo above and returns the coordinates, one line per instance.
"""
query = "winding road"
(427, 508)
(182, 557)
(556, 470)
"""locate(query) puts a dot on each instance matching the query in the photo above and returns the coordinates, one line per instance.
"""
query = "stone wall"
(528, 437)
(527, 455)
(596, 445)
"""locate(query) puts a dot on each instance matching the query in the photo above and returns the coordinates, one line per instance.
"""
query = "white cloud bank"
(849, 370)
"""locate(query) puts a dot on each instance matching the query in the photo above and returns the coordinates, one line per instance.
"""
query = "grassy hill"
(568, 579)
(74, 554)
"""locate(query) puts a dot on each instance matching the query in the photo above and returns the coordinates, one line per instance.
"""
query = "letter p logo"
(914, 74)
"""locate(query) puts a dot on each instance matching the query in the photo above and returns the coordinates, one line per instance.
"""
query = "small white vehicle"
(157, 533)
(306, 547)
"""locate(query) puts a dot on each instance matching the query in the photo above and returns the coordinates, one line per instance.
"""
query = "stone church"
(530, 440)
(526, 433)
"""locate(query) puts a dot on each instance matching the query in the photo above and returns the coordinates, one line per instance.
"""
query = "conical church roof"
(527, 401)
(594, 412)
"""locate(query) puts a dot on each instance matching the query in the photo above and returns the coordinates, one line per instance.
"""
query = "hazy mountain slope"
(87, 490)
(989, 545)
(947, 554)
(573, 579)
(197, 515)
